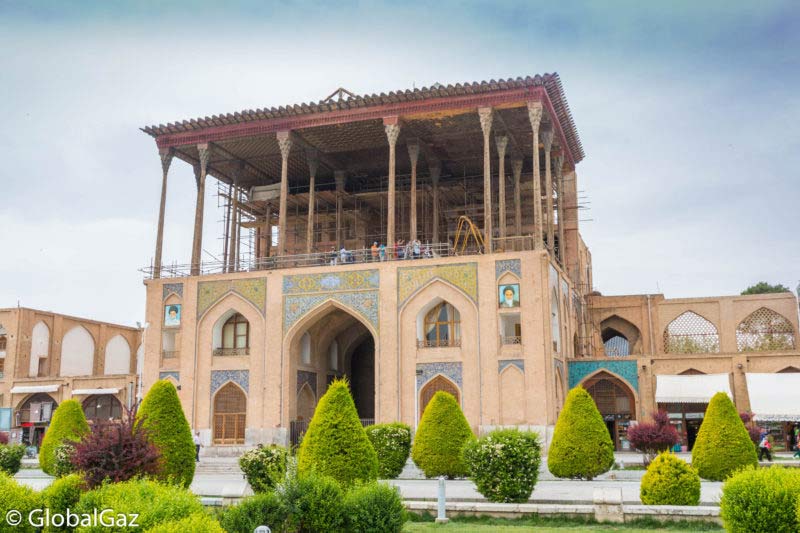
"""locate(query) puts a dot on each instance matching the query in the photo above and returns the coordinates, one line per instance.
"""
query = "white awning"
(774, 397)
(35, 388)
(79, 392)
(691, 388)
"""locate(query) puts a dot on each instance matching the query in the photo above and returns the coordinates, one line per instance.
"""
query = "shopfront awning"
(89, 392)
(32, 389)
(691, 388)
(774, 397)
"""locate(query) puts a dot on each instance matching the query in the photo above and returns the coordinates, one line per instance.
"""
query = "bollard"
(262, 529)
(441, 517)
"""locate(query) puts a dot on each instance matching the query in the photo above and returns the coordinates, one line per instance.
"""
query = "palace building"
(426, 240)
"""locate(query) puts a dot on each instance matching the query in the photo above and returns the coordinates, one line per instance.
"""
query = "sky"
(688, 113)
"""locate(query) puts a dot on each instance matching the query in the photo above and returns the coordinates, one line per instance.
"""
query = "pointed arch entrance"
(436, 384)
(230, 415)
(330, 342)
(616, 402)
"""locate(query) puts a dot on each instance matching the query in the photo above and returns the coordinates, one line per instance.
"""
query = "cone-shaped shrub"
(723, 444)
(581, 447)
(68, 424)
(669, 480)
(442, 432)
(166, 426)
(336, 444)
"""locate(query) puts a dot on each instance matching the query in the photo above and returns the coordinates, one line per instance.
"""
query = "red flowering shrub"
(117, 450)
(3, 437)
(653, 437)
(752, 427)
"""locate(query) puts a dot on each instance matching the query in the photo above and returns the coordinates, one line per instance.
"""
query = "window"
(305, 348)
(764, 330)
(691, 333)
(102, 407)
(333, 356)
(235, 336)
(2, 367)
(442, 327)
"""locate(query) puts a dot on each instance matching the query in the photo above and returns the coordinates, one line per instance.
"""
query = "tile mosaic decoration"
(303, 377)
(426, 371)
(252, 290)
(169, 288)
(221, 377)
(170, 374)
(462, 275)
(507, 265)
(354, 280)
(505, 363)
(365, 303)
(627, 370)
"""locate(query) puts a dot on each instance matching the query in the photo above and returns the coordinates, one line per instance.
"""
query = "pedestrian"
(416, 248)
(763, 448)
(197, 444)
(343, 255)
(382, 252)
(375, 251)
(333, 256)
(398, 249)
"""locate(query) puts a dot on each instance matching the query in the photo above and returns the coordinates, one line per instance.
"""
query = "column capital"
(485, 114)
(413, 152)
(516, 166)
(392, 133)
(547, 139)
(340, 177)
(535, 114)
(312, 158)
(166, 155)
(204, 151)
(284, 143)
(502, 144)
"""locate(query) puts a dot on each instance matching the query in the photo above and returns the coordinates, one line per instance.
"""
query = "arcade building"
(427, 240)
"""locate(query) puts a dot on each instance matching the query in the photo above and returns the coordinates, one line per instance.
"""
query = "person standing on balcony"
(416, 247)
(374, 251)
(382, 252)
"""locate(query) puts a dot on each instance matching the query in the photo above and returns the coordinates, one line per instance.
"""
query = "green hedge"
(504, 464)
(336, 444)
(68, 423)
(163, 419)
(264, 467)
(315, 503)
(266, 509)
(581, 446)
(441, 434)
(155, 503)
(374, 508)
(64, 493)
(11, 458)
(670, 481)
(756, 500)
(392, 443)
(62, 463)
(198, 522)
(723, 444)
(20, 498)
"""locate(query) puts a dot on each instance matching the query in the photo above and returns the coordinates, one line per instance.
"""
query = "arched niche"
(616, 401)
(765, 330)
(333, 355)
(555, 320)
(117, 356)
(306, 403)
(231, 334)
(512, 396)
(40, 350)
(438, 325)
(77, 353)
(230, 415)
(620, 337)
(434, 385)
(305, 348)
(691, 333)
(101, 407)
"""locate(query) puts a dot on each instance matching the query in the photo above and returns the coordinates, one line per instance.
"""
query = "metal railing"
(510, 339)
(231, 351)
(332, 258)
(520, 243)
(438, 343)
(169, 354)
(298, 428)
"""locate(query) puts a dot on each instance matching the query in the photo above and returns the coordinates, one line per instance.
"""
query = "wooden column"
(339, 177)
(547, 139)
(313, 165)
(200, 177)
(413, 155)
(166, 161)
(535, 116)
(485, 115)
(233, 259)
(516, 168)
(559, 162)
(285, 144)
(392, 127)
(268, 225)
(502, 143)
(435, 173)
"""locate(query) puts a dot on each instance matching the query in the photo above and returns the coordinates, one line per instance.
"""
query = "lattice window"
(617, 346)
(439, 383)
(764, 330)
(230, 413)
(610, 397)
(691, 333)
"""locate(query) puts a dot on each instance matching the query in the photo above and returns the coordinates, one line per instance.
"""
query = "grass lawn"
(552, 525)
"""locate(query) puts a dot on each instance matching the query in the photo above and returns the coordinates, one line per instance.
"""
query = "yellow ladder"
(464, 230)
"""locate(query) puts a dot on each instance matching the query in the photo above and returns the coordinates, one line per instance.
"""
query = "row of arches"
(762, 330)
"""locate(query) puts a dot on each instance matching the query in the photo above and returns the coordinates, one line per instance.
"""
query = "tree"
(752, 427)
(762, 287)
(653, 437)
(166, 425)
(723, 444)
(117, 450)
(68, 424)
(442, 432)
(581, 447)
(336, 444)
